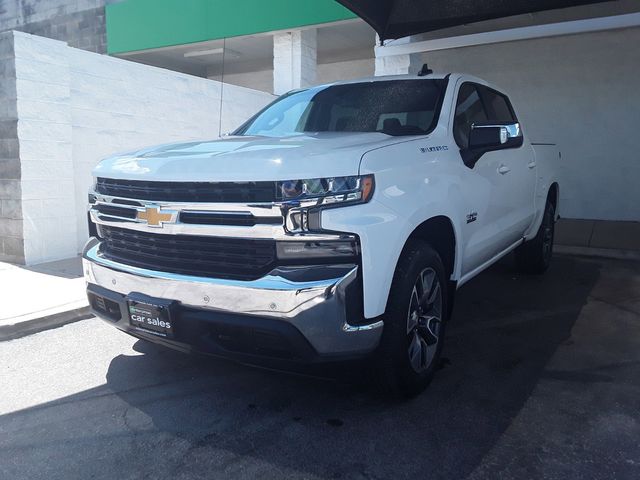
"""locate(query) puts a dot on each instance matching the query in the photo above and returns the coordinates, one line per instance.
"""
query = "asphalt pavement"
(541, 379)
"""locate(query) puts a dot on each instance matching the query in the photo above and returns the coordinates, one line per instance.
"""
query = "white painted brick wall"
(77, 107)
(45, 135)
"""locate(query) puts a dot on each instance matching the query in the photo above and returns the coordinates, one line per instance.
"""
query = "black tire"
(398, 372)
(535, 255)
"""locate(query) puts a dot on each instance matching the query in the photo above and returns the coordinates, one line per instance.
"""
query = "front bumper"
(306, 313)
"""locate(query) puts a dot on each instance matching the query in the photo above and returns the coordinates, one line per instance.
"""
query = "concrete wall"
(333, 72)
(45, 145)
(80, 23)
(259, 80)
(11, 238)
(325, 73)
(580, 91)
(75, 107)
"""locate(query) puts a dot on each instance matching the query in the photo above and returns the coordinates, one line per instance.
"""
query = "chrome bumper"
(312, 299)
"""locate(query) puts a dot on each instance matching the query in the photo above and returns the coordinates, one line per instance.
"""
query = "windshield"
(393, 107)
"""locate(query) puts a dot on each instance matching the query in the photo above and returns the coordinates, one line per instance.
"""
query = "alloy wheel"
(424, 321)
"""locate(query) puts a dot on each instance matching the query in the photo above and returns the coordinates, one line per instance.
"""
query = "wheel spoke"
(429, 329)
(420, 288)
(412, 321)
(415, 300)
(428, 286)
(432, 301)
(415, 352)
(430, 352)
(424, 353)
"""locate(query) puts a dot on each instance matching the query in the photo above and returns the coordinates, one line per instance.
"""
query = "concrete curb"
(28, 325)
(616, 254)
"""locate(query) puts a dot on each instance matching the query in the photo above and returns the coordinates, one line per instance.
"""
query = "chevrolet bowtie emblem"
(154, 216)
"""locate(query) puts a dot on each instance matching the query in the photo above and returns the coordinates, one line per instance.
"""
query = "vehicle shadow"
(238, 421)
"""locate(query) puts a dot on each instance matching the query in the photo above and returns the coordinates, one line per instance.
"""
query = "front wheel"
(414, 322)
(535, 255)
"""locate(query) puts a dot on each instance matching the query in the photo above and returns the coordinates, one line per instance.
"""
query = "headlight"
(302, 200)
(323, 191)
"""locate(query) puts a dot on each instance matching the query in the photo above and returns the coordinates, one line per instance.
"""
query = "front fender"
(382, 235)
(411, 188)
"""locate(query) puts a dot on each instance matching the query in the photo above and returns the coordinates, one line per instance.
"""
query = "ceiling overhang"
(401, 18)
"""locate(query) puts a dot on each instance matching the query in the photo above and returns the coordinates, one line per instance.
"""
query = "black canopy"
(399, 18)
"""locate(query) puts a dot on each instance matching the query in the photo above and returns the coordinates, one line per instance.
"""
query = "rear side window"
(498, 106)
(469, 110)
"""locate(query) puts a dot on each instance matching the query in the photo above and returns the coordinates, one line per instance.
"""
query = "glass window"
(393, 107)
(469, 110)
(290, 113)
(498, 106)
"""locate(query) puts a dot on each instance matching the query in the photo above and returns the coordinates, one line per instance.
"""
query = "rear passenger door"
(516, 166)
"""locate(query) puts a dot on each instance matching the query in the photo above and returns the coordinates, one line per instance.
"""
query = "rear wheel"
(413, 333)
(535, 255)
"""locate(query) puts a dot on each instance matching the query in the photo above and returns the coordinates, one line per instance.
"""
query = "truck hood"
(237, 159)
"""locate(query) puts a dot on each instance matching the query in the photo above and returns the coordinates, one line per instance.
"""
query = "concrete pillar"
(11, 236)
(294, 60)
(397, 64)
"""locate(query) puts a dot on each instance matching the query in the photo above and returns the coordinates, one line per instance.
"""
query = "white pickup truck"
(337, 223)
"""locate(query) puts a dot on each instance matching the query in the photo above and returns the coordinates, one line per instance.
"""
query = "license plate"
(151, 317)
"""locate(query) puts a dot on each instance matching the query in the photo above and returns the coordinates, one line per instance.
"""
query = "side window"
(469, 110)
(498, 106)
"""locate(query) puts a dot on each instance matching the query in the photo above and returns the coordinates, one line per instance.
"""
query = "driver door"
(517, 166)
(485, 190)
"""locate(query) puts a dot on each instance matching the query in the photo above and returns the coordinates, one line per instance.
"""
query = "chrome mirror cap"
(507, 131)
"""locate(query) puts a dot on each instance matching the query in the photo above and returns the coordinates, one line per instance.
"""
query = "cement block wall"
(325, 73)
(80, 23)
(74, 108)
(349, 70)
(46, 150)
(11, 236)
(580, 91)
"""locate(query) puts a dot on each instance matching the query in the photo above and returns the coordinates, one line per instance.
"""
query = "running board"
(487, 264)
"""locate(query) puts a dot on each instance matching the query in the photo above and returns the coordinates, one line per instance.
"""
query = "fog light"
(337, 251)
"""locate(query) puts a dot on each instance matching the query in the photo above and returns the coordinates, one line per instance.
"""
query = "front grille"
(115, 211)
(212, 218)
(215, 192)
(239, 259)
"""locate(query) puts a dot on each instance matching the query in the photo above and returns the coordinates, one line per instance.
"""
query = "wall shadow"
(68, 268)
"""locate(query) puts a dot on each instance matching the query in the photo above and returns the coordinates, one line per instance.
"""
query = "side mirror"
(487, 138)
(495, 136)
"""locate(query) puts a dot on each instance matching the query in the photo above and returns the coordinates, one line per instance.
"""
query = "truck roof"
(454, 76)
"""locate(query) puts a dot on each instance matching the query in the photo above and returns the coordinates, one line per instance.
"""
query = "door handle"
(503, 169)
(532, 164)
